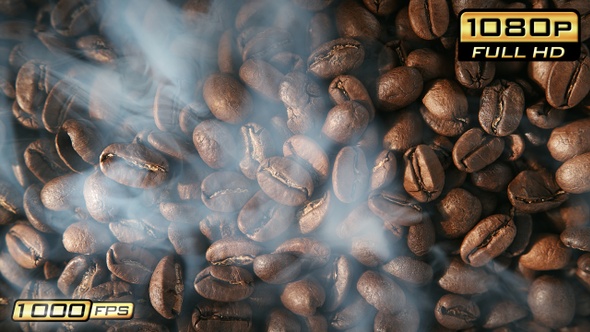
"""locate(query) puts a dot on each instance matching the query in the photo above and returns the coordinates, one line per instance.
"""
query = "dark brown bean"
(335, 58)
(350, 175)
(501, 107)
(424, 176)
(456, 312)
(232, 107)
(548, 312)
(429, 18)
(474, 150)
(545, 252)
(224, 283)
(166, 287)
(488, 239)
(535, 191)
(573, 176)
(285, 181)
(399, 87)
(226, 191)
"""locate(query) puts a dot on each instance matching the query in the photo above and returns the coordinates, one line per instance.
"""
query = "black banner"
(519, 51)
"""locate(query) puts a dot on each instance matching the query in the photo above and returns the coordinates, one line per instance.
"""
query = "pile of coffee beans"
(291, 165)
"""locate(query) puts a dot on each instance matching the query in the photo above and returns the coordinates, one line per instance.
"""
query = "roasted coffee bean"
(355, 313)
(232, 107)
(459, 211)
(277, 268)
(381, 292)
(265, 44)
(97, 48)
(474, 150)
(503, 313)
(39, 216)
(220, 316)
(501, 107)
(456, 312)
(43, 161)
(544, 116)
(535, 191)
(355, 21)
(494, 178)
(420, 238)
(573, 176)
(409, 270)
(285, 181)
(513, 148)
(63, 193)
(224, 283)
(261, 77)
(131, 263)
(282, 320)
(545, 252)
(27, 246)
(134, 165)
(233, 251)
(64, 101)
(312, 213)
(78, 144)
(29, 121)
(145, 231)
(474, 74)
(547, 312)
(305, 103)
(73, 17)
(406, 320)
(110, 291)
(80, 274)
(262, 219)
(216, 225)
(33, 83)
(429, 18)
(350, 175)
(256, 142)
(399, 87)
(567, 83)
(395, 208)
(445, 108)
(344, 88)
(14, 273)
(226, 191)
(303, 297)
(11, 203)
(86, 237)
(405, 131)
(463, 279)
(105, 199)
(166, 287)
(570, 140)
(424, 176)
(336, 57)
(524, 229)
(312, 252)
(576, 237)
(346, 122)
(384, 170)
(308, 153)
(215, 143)
(430, 64)
(488, 239)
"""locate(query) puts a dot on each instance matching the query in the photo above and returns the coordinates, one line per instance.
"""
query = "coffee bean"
(73, 17)
(232, 107)
(421, 237)
(547, 312)
(109, 291)
(262, 219)
(312, 252)
(395, 208)
(303, 297)
(355, 21)
(336, 57)
(445, 108)
(62, 193)
(459, 211)
(474, 74)
(501, 107)
(524, 229)
(78, 144)
(567, 83)
(97, 48)
(41, 218)
(409, 270)
(429, 18)
(406, 320)
(134, 165)
(166, 287)
(488, 239)
(350, 174)
(384, 170)
(346, 122)
(86, 237)
(224, 283)
(256, 142)
(215, 143)
(544, 116)
(573, 176)
(503, 313)
(463, 279)
(474, 150)
(398, 87)
(576, 237)
(545, 252)
(261, 77)
(405, 131)
(535, 191)
(146, 232)
(456, 312)
(14, 273)
(219, 225)
(423, 176)
(381, 292)
(569, 140)
(305, 103)
(355, 313)
(282, 320)
(226, 191)
(233, 251)
(169, 144)
(277, 268)
(430, 64)
(131, 263)
(237, 316)
(285, 181)
(312, 213)
(80, 274)
(345, 88)
(381, 7)
(309, 154)
(11, 203)
(43, 161)
(264, 45)
(27, 246)
(63, 102)
(33, 83)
